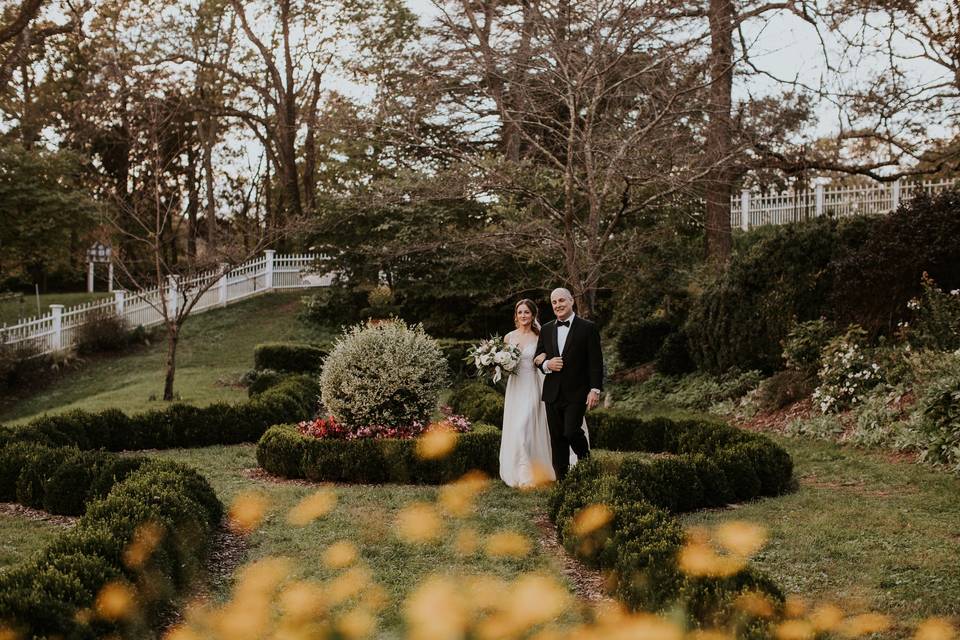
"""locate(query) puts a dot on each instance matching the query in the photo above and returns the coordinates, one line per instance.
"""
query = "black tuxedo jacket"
(582, 361)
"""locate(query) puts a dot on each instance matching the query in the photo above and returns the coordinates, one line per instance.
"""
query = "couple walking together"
(559, 377)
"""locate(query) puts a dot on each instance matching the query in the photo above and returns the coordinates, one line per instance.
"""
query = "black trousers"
(565, 420)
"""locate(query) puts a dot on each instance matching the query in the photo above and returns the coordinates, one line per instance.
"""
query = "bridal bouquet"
(494, 358)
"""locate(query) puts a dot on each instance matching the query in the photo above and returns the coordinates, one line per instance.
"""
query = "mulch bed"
(20, 511)
(588, 584)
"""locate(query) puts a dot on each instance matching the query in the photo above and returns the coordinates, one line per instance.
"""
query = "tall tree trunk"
(208, 133)
(173, 337)
(192, 204)
(719, 180)
(310, 148)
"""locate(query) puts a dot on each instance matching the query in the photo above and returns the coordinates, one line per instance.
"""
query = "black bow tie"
(563, 323)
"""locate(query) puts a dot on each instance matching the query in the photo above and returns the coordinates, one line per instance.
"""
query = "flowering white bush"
(846, 372)
(385, 375)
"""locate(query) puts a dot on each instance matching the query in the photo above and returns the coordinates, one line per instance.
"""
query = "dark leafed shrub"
(259, 380)
(624, 431)
(673, 357)
(668, 483)
(13, 459)
(284, 451)
(105, 332)
(804, 344)
(784, 388)
(38, 468)
(639, 341)
(455, 351)
(742, 318)
(291, 357)
(874, 282)
(478, 402)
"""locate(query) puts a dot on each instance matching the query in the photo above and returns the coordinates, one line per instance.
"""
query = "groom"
(574, 378)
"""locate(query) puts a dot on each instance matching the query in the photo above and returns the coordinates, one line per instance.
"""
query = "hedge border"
(289, 357)
(292, 399)
(47, 595)
(713, 464)
(479, 402)
(58, 463)
(284, 451)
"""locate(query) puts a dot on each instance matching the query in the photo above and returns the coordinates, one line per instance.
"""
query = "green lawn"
(11, 311)
(365, 515)
(861, 532)
(215, 350)
(21, 537)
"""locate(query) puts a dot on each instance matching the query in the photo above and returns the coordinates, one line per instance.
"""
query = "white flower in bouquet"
(494, 358)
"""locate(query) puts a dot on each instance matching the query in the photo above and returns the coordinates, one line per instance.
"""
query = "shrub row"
(285, 452)
(639, 547)
(51, 595)
(455, 351)
(478, 402)
(714, 464)
(179, 425)
(290, 357)
(62, 480)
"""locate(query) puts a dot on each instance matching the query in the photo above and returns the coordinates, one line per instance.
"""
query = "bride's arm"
(539, 359)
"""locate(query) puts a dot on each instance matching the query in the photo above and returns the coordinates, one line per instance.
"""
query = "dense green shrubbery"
(289, 357)
(642, 541)
(805, 343)
(696, 392)
(479, 402)
(179, 425)
(455, 351)
(43, 597)
(874, 281)
(639, 341)
(741, 319)
(286, 452)
(105, 332)
(673, 357)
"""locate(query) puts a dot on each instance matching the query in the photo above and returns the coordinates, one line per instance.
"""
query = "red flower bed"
(329, 428)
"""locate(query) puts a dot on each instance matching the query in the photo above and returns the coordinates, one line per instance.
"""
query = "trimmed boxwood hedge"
(56, 463)
(44, 596)
(713, 464)
(179, 425)
(284, 451)
(290, 357)
(478, 402)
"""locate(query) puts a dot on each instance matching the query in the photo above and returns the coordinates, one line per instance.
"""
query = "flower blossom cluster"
(845, 376)
(328, 427)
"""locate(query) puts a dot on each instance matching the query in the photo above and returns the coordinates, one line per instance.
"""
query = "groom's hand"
(555, 364)
(593, 399)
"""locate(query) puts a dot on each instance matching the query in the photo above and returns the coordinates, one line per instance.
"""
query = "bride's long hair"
(532, 307)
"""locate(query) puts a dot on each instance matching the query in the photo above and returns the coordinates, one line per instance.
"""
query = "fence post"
(223, 283)
(745, 209)
(268, 279)
(90, 277)
(896, 195)
(818, 191)
(174, 296)
(118, 301)
(109, 277)
(57, 311)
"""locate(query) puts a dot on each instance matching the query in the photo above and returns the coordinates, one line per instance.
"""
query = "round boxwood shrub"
(479, 402)
(383, 374)
(292, 357)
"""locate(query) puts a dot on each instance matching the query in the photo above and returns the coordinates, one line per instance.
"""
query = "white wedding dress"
(525, 457)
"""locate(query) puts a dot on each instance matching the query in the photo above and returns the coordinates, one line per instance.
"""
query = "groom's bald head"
(562, 302)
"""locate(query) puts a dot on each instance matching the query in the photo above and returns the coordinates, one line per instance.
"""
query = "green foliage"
(713, 463)
(44, 214)
(784, 388)
(259, 380)
(697, 391)
(286, 452)
(937, 421)
(936, 323)
(479, 402)
(847, 372)
(334, 306)
(385, 374)
(455, 352)
(106, 332)
(290, 357)
(292, 400)
(673, 357)
(805, 343)
(742, 318)
(875, 280)
(640, 340)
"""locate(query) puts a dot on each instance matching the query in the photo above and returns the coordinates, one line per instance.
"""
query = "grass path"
(861, 532)
(365, 515)
(215, 350)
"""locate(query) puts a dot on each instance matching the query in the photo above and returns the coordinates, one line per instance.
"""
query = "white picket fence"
(752, 209)
(59, 329)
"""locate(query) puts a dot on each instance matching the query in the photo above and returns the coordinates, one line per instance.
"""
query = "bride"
(525, 456)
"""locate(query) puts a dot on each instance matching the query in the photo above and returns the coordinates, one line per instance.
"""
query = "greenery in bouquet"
(494, 358)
